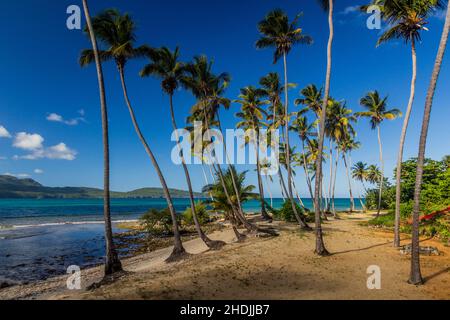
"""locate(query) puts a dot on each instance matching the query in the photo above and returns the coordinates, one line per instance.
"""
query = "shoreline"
(354, 247)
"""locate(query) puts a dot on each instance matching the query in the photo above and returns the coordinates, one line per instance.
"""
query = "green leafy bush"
(286, 213)
(202, 214)
(157, 221)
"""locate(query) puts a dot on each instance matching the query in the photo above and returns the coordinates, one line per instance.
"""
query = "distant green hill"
(11, 187)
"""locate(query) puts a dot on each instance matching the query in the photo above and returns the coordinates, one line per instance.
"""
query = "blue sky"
(41, 81)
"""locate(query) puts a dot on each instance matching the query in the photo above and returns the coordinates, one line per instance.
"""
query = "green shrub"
(157, 221)
(387, 220)
(286, 213)
(202, 214)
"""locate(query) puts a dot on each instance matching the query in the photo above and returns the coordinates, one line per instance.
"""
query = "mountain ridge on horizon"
(16, 188)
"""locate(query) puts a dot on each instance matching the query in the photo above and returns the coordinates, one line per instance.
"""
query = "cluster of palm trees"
(265, 105)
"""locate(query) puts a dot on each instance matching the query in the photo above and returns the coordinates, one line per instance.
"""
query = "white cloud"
(28, 141)
(38, 171)
(60, 151)
(20, 175)
(4, 133)
(351, 9)
(54, 117)
(34, 144)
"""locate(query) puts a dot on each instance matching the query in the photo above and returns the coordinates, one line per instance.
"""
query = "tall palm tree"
(338, 126)
(166, 66)
(278, 32)
(406, 20)
(347, 145)
(359, 173)
(208, 89)
(377, 112)
(373, 174)
(415, 276)
(305, 131)
(112, 263)
(251, 115)
(117, 31)
(320, 246)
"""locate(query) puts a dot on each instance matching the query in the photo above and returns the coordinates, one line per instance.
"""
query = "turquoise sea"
(42, 238)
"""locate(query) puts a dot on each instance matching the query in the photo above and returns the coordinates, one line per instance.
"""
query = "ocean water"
(42, 238)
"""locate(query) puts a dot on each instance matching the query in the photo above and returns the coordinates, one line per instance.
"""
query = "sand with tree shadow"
(284, 267)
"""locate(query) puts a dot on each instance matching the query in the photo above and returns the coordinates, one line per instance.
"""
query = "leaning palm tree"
(116, 32)
(278, 32)
(251, 115)
(359, 173)
(166, 66)
(415, 276)
(320, 246)
(406, 20)
(377, 113)
(112, 263)
(208, 88)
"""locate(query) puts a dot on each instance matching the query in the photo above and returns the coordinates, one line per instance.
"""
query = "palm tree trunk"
(269, 191)
(398, 188)
(264, 213)
(415, 276)
(302, 223)
(331, 176)
(178, 250)
(112, 263)
(320, 246)
(211, 244)
(334, 183)
(352, 201)
(380, 195)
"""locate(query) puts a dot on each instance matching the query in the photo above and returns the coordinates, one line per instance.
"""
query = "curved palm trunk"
(178, 250)
(320, 246)
(269, 191)
(112, 263)
(380, 195)
(398, 189)
(264, 213)
(415, 276)
(308, 178)
(352, 201)
(330, 184)
(300, 219)
(211, 244)
(282, 183)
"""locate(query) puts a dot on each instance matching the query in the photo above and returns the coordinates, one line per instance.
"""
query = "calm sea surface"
(42, 238)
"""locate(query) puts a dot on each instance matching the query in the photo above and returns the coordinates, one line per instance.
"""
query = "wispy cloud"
(350, 10)
(19, 175)
(34, 144)
(54, 117)
(4, 133)
(38, 171)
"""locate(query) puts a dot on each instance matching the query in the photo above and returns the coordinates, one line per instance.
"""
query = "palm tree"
(208, 89)
(112, 263)
(338, 126)
(347, 145)
(415, 276)
(116, 31)
(406, 20)
(166, 66)
(359, 173)
(221, 190)
(320, 246)
(305, 131)
(252, 113)
(373, 174)
(277, 32)
(377, 113)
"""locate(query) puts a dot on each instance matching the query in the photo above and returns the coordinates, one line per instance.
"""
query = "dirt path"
(270, 268)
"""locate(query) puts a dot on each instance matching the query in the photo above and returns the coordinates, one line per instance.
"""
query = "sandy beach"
(283, 267)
